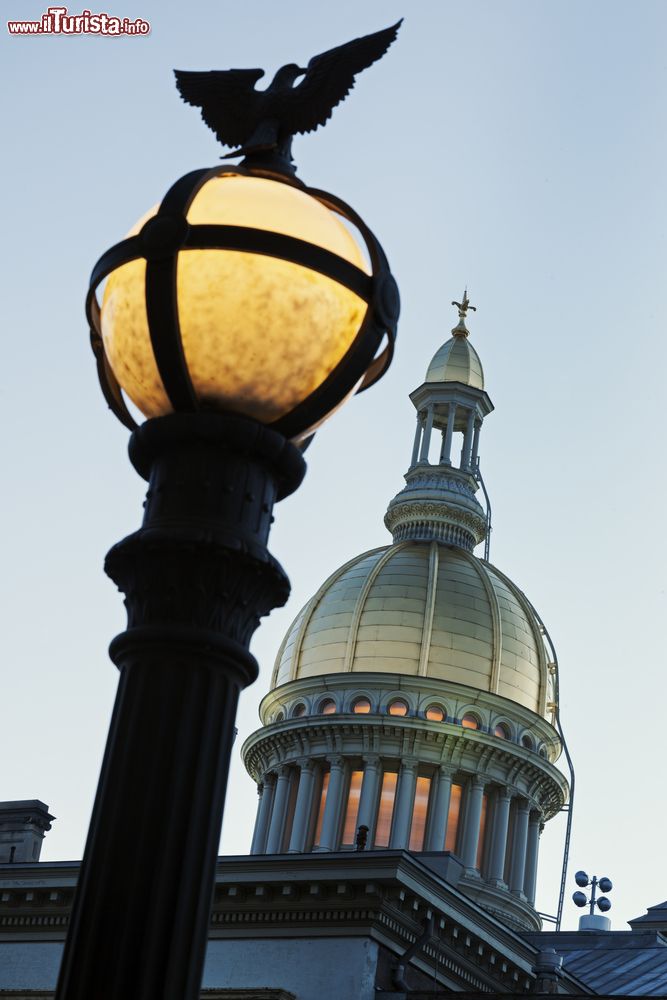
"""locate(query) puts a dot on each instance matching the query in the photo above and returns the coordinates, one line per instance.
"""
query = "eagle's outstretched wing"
(229, 103)
(330, 78)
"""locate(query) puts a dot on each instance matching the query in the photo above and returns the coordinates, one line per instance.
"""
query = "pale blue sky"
(515, 146)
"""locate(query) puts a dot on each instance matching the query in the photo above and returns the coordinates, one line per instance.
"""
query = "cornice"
(458, 392)
(387, 898)
(469, 752)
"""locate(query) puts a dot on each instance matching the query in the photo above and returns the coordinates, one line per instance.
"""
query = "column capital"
(269, 778)
(306, 764)
(372, 760)
(409, 764)
(336, 760)
(446, 771)
(283, 771)
(479, 781)
(522, 805)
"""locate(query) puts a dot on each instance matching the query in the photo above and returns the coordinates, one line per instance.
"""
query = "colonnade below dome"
(319, 806)
(423, 764)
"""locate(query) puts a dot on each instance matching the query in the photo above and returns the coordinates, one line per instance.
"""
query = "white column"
(426, 440)
(333, 804)
(519, 842)
(418, 435)
(475, 442)
(501, 817)
(265, 791)
(530, 875)
(303, 807)
(274, 841)
(368, 800)
(446, 453)
(473, 818)
(467, 441)
(437, 826)
(405, 798)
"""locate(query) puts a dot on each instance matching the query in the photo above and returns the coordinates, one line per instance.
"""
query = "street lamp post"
(236, 319)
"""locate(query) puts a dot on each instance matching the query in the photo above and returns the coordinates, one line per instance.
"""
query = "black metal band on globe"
(167, 233)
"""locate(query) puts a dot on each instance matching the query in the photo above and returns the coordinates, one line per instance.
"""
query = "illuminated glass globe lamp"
(244, 292)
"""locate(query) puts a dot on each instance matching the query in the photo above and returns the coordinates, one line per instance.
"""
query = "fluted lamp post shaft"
(196, 578)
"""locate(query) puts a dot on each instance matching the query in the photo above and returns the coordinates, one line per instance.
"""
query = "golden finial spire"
(461, 330)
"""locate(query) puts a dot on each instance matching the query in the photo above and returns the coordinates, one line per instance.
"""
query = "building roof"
(422, 609)
(627, 963)
(655, 919)
(382, 896)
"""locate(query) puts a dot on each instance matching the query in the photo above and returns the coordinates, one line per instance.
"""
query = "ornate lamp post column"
(198, 328)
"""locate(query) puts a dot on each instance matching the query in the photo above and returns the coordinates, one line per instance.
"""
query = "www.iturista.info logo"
(57, 21)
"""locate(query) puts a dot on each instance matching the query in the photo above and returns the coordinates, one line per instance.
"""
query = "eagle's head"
(286, 76)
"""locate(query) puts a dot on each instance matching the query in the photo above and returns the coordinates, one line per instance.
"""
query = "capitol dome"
(414, 700)
(422, 609)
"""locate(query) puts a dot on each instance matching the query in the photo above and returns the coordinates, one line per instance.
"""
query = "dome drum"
(417, 783)
(313, 696)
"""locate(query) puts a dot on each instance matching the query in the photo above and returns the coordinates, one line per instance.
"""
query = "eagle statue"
(262, 122)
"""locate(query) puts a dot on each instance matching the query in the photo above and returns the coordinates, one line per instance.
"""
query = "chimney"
(22, 828)
(548, 970)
